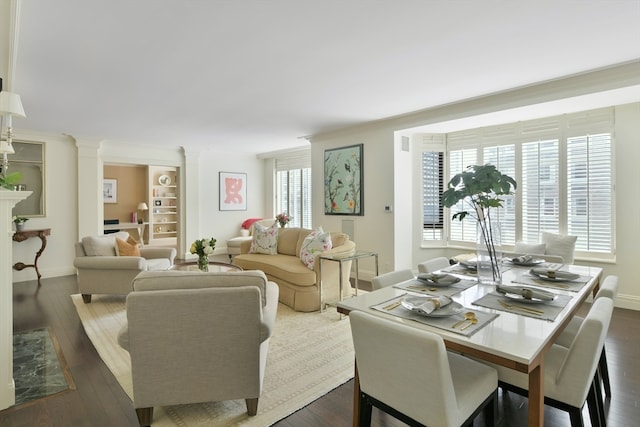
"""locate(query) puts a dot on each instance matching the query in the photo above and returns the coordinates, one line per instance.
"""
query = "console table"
(21, 236)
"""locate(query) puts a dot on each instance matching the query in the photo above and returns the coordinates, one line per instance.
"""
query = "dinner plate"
(550, 296)
(164, 180)
(527, 262)
(553, 275)
(414, 303)
(438, 280)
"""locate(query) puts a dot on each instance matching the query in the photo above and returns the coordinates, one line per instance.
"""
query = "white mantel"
(8, 199)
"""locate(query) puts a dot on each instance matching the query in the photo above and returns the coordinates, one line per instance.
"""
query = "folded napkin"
(442, 278)
(527, 293)
(554, 274)
(432, 304)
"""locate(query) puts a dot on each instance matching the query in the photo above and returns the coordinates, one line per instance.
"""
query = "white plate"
(438, 280)
(529, 263)
(164, 180)
(532, 300)
(553, 276)
(414, 303)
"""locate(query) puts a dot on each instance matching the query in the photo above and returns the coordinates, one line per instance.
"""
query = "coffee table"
(214, 266)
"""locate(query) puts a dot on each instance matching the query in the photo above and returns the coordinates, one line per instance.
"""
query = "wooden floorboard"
(100, 401)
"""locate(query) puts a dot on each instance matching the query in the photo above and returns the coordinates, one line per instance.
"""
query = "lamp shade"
(142, 206)
(6, 148)
(10, 104)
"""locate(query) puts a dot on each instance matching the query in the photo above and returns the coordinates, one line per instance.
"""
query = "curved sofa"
(298, 284)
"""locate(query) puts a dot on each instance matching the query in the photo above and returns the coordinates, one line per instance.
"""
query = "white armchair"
(198, 337)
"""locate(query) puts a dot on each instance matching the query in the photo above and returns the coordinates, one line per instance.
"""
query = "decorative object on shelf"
(142, 206)
(233, 191)
(19, 222)
(10, 105)
(157, 202)
(481, 186)
(203, 248)
(110, 190)
(164, 180)
(343, 181)
(283, 219)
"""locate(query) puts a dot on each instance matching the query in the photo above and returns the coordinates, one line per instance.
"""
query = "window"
(432, 188)
(563, 167)
(293, 187)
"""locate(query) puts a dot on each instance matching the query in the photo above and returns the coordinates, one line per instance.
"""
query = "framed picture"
(343, 181)
(233, 191)
(110, 190)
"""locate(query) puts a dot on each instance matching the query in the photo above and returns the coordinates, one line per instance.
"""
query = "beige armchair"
(198, 337)
(101, 271)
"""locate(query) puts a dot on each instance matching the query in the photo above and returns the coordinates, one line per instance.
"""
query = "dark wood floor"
(99, 400)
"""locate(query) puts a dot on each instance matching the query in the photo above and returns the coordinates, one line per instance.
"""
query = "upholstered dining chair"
(408, 373)
(388, 279)
(608, 289)
(434, 264)
(569, 373)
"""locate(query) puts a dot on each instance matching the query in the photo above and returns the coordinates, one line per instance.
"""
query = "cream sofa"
(198, 337)
(101, 271)
(299, 284)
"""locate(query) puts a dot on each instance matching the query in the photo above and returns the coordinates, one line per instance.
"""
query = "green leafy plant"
(9, 181)
(20, 219)
(481, 186)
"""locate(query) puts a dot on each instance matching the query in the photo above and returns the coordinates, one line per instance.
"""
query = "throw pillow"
(128, 248)
(522, 248)
(102, 245)
(317, 241)
(557, 244)
(265, 239)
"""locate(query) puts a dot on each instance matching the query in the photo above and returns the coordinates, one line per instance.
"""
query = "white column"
(8, 199)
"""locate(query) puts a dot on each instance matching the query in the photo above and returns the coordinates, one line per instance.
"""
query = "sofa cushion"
(102, 245)
(317, 241)
(158, 264)
(265, 239)
(284, 267)
(560, 245)
(288, 241)
(128, 248)
(175, 279)
(530, 248)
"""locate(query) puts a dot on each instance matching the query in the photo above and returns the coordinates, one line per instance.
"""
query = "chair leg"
(491, 411)
(145, 415)
(604, 372)
(596, 407)
(252, 406)
(575, 414)
(86, 298)
(364, 410)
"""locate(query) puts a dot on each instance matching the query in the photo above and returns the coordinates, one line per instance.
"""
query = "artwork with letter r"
(233, 191)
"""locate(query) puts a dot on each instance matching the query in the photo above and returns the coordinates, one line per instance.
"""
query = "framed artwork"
(110, 190)
(343, 181)
(233, 191)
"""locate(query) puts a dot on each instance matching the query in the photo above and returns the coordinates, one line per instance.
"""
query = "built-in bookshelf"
(163, 205)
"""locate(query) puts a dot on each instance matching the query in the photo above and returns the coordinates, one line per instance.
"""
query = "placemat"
(395, 308)
(525, 278)
(436, 291)
(465, 271)
(547, 311)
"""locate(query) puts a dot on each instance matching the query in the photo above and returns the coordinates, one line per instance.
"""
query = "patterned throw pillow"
(317, 241)
(265, 240)
(128, 248)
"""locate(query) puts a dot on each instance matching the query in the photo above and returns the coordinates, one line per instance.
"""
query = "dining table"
(516, 337)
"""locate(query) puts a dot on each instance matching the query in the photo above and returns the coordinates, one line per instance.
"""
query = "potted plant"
(283, 219)
(10, 180)
(481, 186)
(203, 248)
(19, 222)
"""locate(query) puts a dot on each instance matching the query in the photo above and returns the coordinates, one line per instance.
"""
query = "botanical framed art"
(343, 181)
(233, 191)
(110, 190)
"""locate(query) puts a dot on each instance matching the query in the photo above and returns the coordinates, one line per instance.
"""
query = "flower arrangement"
(203, 248)
(20, 219)
(283, 219)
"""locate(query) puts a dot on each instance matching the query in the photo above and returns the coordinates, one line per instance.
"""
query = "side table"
(340, 259)
(21, 236)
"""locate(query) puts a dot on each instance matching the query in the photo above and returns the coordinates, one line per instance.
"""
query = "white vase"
(489, 253)
(19, 226)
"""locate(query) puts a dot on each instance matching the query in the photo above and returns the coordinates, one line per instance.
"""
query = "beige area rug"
(310, 354)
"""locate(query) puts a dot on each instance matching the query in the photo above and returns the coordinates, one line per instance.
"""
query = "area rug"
(39, 367)
(310, 354)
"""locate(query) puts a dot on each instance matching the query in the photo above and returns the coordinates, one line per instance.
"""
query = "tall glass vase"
(489, 254)
(203, 262)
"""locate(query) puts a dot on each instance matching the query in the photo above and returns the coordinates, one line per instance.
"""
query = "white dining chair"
(608, 289)
(569, 373)
(389, 279)
(434, 264)
(408, 373)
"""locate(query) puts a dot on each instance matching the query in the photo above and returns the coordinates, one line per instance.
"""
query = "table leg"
(356, 396)
(536, 395)
(20, 265)
(320, 285)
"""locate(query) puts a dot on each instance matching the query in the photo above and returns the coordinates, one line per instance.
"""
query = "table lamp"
(142, 206)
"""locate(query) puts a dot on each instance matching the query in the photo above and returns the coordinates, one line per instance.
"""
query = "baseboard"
(630, 302)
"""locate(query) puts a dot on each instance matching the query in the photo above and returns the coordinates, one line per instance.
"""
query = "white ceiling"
(255, 75)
